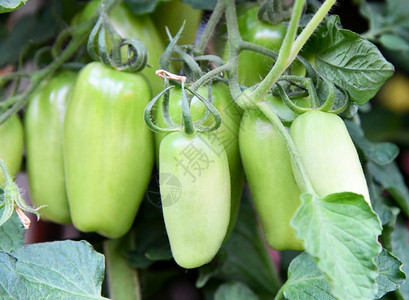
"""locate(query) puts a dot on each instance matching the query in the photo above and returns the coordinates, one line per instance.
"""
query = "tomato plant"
(275, 142)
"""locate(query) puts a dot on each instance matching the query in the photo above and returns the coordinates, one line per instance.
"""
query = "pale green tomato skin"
(141, 27)
(196, 221)
(328, 154)
(172, 14)
(43, 125)
(11, 146)
(108, 149)
(227, 133)
(267, 166)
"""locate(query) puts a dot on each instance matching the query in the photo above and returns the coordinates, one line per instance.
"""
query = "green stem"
(306, 186)
(280, 294)
(234, 41)
(310, 28)
(210, 26)
(80, 32)
(7, 177)
(39, 76)
(123, 282)
(283, 60)
(209, 76)
(257, 48)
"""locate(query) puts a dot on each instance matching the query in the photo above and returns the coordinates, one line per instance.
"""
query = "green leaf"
(57, 270)
(394, 42)
(390, 274)
(32, 29)
(340, 231)
(380, 153)
(400, 248)
(386, 20)
(12, 232)
(390, 178)
(10, 5)
(306, 280)
(350, 61)
(234, 290)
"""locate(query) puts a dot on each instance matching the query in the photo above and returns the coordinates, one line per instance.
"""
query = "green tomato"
(267, 166)
(11, 146)
(227, 134)
(43, 125)
(172, 14)
(328, 154)
(195, 192)
(129, 25)
(108, 150)
(254, 66)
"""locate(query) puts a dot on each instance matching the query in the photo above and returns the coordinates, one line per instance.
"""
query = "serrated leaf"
(12, 232)
(56, 270)
(306, 280)
(380, 153)
(236, 291)
(340, 231)
(391, 179)
(390, 274)
(387, 18)
(400, 248)
(350, 61)
(10, 5)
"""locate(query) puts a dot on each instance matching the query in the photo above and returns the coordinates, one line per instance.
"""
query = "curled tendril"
(104, 44)
(274, 11)
(188, 125)
(309, 85)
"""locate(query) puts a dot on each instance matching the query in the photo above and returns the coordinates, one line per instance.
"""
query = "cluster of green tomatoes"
(90, 154)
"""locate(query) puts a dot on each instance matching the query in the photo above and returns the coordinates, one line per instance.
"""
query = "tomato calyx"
(110, 54)
(187, 125)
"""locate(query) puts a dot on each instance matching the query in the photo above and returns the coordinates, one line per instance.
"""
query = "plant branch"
(210, 26)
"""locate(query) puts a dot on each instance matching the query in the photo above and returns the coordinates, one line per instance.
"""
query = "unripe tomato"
(227, 134)
(172, 14)
(108, 149)
(197, 213)
(267, 166)
(254, 66)
(129, 25)
(43, 124)
(11, 146)
(328, 154)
